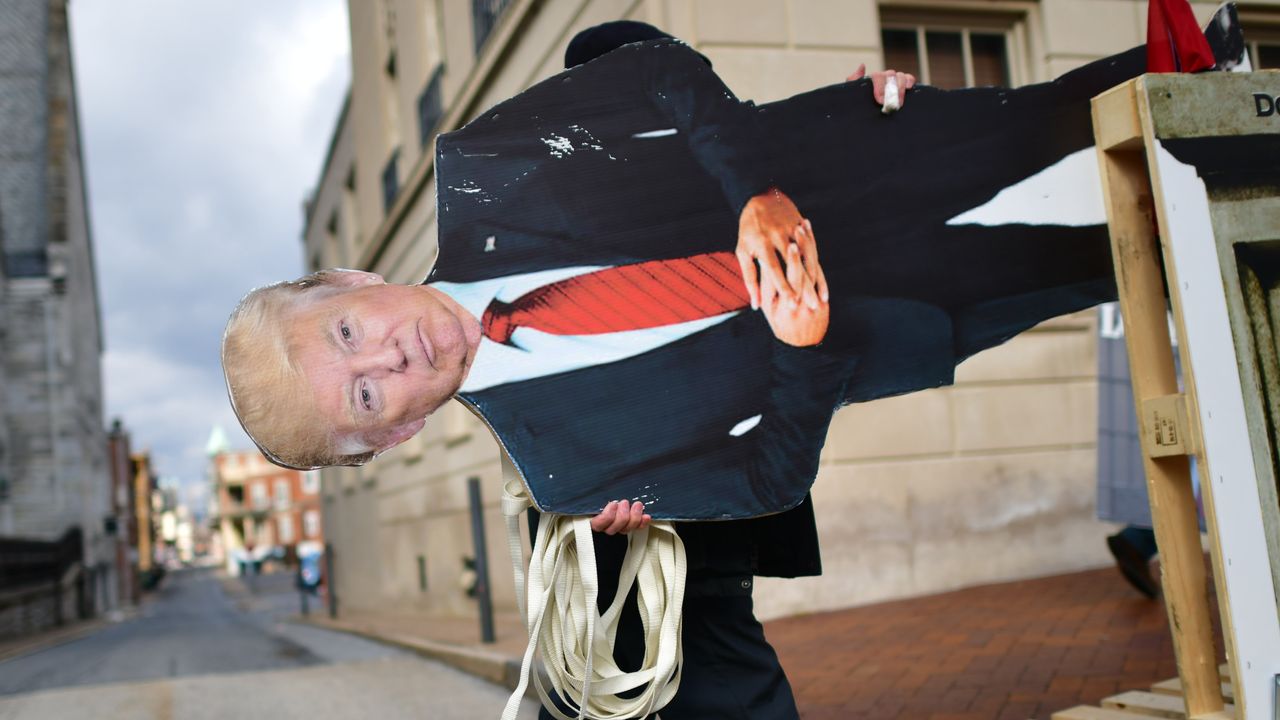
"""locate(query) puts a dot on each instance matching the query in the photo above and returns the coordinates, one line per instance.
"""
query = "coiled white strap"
(574, 640)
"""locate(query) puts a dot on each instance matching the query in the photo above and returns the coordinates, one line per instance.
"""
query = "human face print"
(380, 357)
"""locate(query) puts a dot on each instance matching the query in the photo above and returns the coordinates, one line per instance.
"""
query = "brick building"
(144, 485)
(124, 513)
(262, 510)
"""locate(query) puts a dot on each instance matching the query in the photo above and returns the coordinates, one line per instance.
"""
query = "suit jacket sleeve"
(806, 387)
(724, 134)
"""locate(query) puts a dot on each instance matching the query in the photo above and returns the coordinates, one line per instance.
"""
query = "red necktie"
(627, 297)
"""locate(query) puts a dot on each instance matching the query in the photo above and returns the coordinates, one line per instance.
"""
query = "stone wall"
(33, 609)
(52, 440)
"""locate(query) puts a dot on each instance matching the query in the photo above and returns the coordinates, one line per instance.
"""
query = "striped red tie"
(628, 297)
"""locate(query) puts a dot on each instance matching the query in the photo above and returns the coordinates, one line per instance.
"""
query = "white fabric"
(1068, 192)
(574, 641)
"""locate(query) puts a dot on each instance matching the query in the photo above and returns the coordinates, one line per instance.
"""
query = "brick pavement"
(1014, 650)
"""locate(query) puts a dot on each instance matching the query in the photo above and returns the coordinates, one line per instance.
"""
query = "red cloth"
(1175, 42)
(627, 297)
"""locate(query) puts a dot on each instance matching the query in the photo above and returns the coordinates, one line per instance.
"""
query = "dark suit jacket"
(644, 154)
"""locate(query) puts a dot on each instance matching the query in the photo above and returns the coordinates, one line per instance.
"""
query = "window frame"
(391, 180)
(284, 522)
(281, 500)
(311, 520)
(1260, 27)
(260, 496)
(430, 106)
(1010, 20)
(485, 18)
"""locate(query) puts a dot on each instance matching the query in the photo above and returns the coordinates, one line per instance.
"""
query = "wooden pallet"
(1163, 701)
(1204, 264)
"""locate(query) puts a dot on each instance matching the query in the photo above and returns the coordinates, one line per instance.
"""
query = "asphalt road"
(196, 651)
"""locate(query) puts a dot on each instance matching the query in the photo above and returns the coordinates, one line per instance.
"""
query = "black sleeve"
(762, 469)
(723, 132)
(806, 387)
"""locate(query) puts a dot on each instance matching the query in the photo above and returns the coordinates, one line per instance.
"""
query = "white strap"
(574, 640)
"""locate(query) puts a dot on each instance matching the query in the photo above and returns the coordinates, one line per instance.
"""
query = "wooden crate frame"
(1220, 418)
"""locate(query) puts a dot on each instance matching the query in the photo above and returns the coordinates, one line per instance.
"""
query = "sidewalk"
(1014, 650)
(449, 639)
(73, 630)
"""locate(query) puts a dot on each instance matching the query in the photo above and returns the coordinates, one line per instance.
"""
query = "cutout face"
(379, 358)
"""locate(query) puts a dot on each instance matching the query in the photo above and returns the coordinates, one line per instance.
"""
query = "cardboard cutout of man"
(879, 254)
(869, 281)
(643, 157)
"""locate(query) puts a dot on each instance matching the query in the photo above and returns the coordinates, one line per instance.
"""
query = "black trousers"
(730, 671)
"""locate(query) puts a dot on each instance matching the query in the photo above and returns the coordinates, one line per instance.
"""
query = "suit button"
(746, 584)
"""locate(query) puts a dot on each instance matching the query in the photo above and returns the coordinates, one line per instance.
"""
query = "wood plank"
(1174, 687)
(1086, 712)
(1148, 704)
(1115, 119)
(1173, 502)
(1130, 195)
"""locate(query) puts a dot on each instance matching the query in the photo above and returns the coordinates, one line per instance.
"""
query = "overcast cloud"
(205, 123)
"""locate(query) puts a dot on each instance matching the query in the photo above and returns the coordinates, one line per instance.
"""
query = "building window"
(389, 25)
(484, 16)
(949, 50)
(430, 106)
(1264, 46)
(26, 263)
(350, 213)
(282, 494)
(1267, 54)
(311, 523)
(391, 181)
(261, 501)
(311, 482)
(284, 530)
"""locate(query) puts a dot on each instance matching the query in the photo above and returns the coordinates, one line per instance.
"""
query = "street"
(202, 647)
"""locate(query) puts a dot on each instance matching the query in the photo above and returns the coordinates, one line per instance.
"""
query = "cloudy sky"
(205, 123)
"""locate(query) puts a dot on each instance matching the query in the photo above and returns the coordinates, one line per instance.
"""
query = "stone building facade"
(53, 448)
(989, 480)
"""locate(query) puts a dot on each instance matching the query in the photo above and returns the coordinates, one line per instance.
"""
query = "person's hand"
(795, 324)
(620, 516)
(880, 79)
(768, 225)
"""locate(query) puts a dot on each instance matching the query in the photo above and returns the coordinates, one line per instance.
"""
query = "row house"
(262, 511)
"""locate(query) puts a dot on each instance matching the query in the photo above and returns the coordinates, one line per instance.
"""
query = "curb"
(495, 667)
